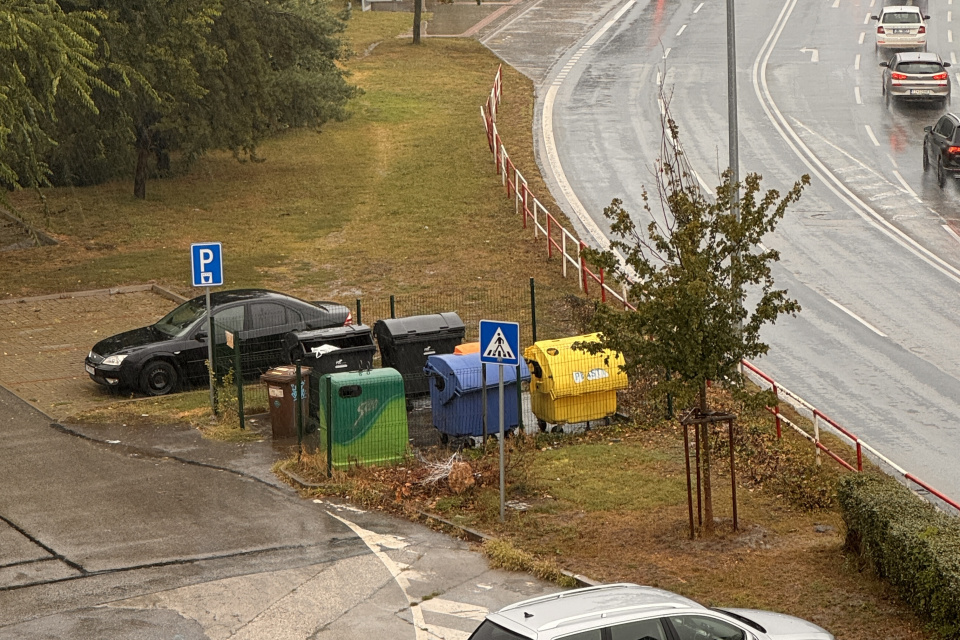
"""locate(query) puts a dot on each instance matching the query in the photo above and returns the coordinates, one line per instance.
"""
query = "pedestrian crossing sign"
(499, 342)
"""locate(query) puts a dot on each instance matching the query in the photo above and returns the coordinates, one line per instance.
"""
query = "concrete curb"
(465, 533)
(134, 288)
(44, 238)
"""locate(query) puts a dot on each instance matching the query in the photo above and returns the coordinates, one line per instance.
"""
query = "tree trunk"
(417, 10)
(143, 163)
(705, 462)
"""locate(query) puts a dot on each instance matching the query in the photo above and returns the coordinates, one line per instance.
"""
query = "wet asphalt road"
(868, 251)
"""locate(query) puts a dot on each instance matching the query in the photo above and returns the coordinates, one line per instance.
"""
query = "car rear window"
(907, 17)
(919, 67)
(491, 631)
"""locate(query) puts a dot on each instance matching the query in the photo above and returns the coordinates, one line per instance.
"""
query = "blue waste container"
(456, 394)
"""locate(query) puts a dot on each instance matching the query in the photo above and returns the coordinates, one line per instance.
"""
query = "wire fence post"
(298, 409)
(238, 372)
(393, 307)
(328, 417)
(359, 311)
(533, 308)
(483, 400)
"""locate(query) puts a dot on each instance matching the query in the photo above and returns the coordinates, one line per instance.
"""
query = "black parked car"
(941, 148)
(159, 358)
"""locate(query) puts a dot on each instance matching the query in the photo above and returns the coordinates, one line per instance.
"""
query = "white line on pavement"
(876, 142)
(856, 62)
(856, 93)
(862, 33)
(836, 4)
(866, 19)
(682, 29)
(950, 230)
(906, 186)
(666, 53)
(699, 6)
(857, 318)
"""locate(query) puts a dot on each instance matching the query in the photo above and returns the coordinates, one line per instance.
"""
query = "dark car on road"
(941, 148)
(172, 353)
(917, 77)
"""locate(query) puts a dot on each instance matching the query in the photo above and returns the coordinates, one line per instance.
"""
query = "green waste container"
(367, 415)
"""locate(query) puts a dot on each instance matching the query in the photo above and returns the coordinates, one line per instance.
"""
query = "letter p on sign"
(207, 263)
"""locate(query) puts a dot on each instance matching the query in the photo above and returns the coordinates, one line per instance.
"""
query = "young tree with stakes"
(689, 277)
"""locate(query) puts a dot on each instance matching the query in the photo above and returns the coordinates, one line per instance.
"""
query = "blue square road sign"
(499, 342)
(206, 259)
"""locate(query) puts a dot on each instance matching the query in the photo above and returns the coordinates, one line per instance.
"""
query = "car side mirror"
(200, 335)
(885, 64)
(874, 17)
(928, 128)
(946, 64)
(926, 17)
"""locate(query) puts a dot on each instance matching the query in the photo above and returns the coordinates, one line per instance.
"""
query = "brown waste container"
(282, 394)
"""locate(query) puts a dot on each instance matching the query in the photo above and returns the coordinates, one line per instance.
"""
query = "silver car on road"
(631, 612)
(916, 76)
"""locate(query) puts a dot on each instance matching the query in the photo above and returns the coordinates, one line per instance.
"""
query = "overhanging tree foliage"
(49, 66)
(196, 75)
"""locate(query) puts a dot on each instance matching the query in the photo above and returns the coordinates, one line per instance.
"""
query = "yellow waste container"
(568, 385)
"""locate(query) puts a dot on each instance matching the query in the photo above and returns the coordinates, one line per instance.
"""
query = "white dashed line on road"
(952, 233)
(953, 58)
(856, 93)
(949, 35)
(906, 186)
(682, 29)
(699, 6)
(866, 19)
(876, 142)
(856, 62)
(862, 33)
(836, 4)
(857, 318)
(666, 53)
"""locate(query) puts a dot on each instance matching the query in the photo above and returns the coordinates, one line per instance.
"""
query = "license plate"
(89, 369)
(901, 31)
(921, 92)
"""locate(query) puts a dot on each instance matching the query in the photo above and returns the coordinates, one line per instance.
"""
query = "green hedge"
(908, 542)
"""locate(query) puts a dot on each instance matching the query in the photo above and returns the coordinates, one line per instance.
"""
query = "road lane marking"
(950, 230)
(953, 58)
(949, 16)
(949, 35)
(682, 29)
(862, 33)
(663, 109)
(836, 4)
(856, 63)
(372, 540)
(458, 609)
(857, 318)
(699, 6)
(872, 2)
(666, 53)
(856, 92)
(866, 19)
(658, 77)
(906, 186)
(816, 166)
(876, 142)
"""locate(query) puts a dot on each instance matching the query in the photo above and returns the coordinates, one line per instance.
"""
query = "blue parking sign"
(207, 262)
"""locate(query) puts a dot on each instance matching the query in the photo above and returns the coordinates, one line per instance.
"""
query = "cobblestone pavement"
(43, 343)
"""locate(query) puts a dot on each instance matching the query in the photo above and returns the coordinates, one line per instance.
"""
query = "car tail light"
(940, 76)
(880, 30)
(898, 76)
(953, 150)
(349, 319)
(922, 30)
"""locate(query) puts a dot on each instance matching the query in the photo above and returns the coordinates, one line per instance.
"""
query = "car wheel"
(926, 160)
(941, 174)
(158, 378)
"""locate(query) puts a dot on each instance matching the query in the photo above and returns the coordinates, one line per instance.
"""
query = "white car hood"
(780, 626)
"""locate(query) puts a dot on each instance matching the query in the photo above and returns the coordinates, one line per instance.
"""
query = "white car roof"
(570, 611)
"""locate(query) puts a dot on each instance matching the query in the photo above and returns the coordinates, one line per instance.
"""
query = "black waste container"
(405, 344)
(332, 350)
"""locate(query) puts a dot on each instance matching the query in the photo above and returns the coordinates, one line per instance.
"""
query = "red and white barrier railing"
(818, 417)
(560, 240)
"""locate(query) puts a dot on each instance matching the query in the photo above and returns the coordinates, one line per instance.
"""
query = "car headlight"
(90, 356)
(113, 361)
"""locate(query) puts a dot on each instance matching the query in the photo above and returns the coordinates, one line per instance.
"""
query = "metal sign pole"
(212, 372)
(502, 479)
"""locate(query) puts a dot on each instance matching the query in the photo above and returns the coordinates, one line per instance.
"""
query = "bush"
(908, 542)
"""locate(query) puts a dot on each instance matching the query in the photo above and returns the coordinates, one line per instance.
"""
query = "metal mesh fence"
(408, 372)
